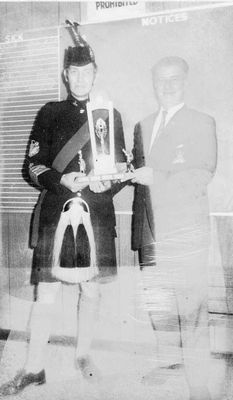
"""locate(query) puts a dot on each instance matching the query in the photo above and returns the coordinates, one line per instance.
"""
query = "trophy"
(101, 127)
(129, 159)
(82, 164)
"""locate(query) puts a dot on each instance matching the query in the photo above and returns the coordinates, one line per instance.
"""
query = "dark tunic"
(55, 124)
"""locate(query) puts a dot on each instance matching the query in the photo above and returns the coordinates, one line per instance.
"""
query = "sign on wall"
(100, 11)
(97, 11)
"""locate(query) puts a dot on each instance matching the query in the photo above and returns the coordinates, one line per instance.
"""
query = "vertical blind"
(29, 78)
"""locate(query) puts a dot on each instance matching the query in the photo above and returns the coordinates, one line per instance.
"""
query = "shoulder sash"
(71, 148)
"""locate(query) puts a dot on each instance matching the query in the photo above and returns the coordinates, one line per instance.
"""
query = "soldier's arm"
(39, 164)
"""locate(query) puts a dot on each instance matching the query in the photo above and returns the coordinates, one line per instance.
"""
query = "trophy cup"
(101, 127)
(129, 159)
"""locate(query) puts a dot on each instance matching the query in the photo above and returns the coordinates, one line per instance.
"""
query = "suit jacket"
(183, 159)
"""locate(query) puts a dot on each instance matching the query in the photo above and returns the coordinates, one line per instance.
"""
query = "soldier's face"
(169, 84)
(80, 80)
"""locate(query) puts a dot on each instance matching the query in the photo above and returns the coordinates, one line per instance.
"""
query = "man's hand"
(143, 176)
(70, 181)
(100, 186)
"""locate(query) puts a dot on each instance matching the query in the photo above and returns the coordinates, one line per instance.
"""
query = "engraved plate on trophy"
(101, 126)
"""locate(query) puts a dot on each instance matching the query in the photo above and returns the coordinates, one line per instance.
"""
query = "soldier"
(59, 151)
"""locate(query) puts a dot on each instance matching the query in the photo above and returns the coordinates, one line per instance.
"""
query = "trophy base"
(104, 165)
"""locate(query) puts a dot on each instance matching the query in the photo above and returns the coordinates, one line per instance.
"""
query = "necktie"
(160, 129)
(162, 124)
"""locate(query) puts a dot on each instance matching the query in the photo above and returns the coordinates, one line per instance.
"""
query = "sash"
(62, 159)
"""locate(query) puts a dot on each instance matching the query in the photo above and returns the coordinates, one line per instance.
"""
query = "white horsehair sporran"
(75, 213)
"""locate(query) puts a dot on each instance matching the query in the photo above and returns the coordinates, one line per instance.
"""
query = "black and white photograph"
(116, 200)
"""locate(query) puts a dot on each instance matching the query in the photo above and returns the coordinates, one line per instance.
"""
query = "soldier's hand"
(143, 176)
(100, 186)
(71, 182)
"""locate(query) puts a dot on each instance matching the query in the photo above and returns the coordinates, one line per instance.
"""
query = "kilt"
(43, 253)
(72, 254)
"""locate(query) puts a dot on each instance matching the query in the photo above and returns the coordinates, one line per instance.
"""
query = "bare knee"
(90, 290)
(47, 292)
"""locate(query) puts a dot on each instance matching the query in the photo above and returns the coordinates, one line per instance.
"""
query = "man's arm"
(192, 174)
(198, 167)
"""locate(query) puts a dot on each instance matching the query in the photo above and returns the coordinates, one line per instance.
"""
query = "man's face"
(80, 80)
(169, 84)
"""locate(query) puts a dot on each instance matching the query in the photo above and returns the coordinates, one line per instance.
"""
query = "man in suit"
(175, 158)
(60, 149)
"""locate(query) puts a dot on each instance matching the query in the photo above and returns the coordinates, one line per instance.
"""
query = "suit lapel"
(147, 129)
(174, 120)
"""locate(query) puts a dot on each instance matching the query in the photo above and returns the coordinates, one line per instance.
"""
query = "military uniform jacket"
(183, 159)
(55, 124)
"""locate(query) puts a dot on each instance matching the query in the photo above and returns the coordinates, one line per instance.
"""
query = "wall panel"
(29, 71)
